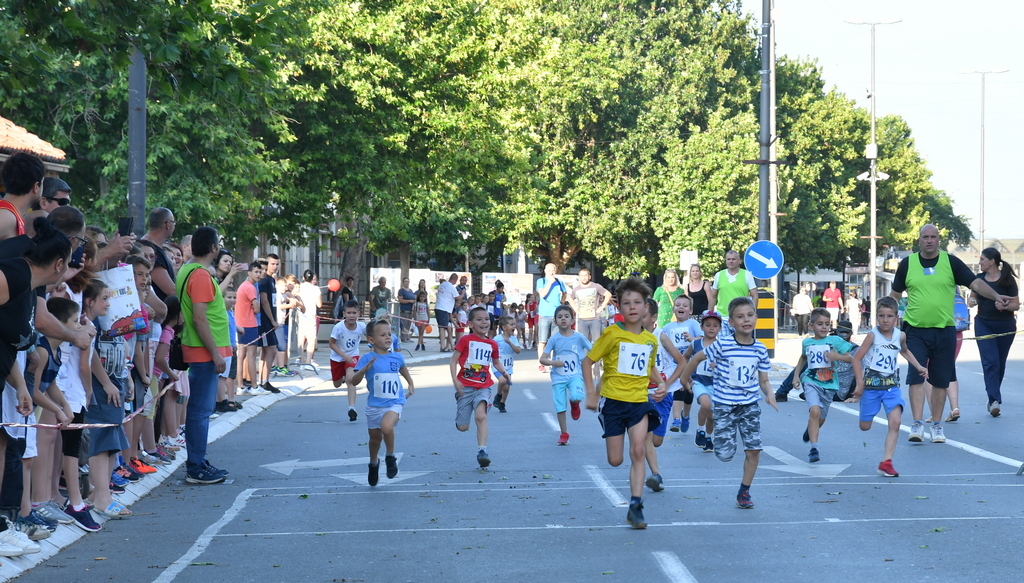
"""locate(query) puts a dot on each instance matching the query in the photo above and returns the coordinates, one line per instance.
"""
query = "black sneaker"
(635, 516)
(501, 406)
(483, 459)
(373, 476)
(782, 397)
(269, 387)
(709, 445)
(392, 464)
(352, 415)
(115, 489)
(807, 437)
(209, 467)
(204, 476)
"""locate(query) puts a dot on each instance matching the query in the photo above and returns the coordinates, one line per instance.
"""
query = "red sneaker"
(563, 439)
(542, 369)
(140, 466)
(885, 468)
(574, 407)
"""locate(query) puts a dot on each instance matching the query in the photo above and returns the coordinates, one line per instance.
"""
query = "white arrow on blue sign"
(764, 259)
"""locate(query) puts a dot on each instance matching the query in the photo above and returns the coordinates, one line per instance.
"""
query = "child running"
(563, 353)
(673, 342)
(470, 366)
(385, 369)
(879, 385)
(627, 351)
(508, 347)
(819, 378)
(701, 383)
(741, 365)
(656, 437)
(344, 346)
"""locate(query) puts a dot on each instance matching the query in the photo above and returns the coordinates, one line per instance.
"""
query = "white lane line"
(984, 453)
(673, 568)
(529, 394)
(204, 540)
(606, 487)
(745, 525)
(552, 422)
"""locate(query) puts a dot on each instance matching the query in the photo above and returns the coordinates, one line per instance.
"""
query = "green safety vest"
(216, 313)
(930, 296)
(728, 291)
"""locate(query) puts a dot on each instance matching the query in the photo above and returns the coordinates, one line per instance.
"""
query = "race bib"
(884, 363)
(817, 356)
(388, 385)
(571, 363)
(507, 363)
(633, 359)
(478, 353)
(350, 344)
(704, 368)
(742, 372)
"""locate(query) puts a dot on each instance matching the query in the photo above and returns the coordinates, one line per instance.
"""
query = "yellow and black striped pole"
(765, 330)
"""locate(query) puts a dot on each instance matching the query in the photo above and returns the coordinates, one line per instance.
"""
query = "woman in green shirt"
(666, 296)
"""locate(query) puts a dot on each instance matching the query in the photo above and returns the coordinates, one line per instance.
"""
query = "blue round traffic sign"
(764, 259)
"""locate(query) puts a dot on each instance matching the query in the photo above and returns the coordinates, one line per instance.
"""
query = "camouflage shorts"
(733, 423)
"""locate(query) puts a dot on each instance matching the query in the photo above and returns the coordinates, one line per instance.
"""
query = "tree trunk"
(404, 253)
(558, 251)
(352, 257)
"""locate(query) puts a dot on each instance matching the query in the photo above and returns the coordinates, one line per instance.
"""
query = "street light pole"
(981, 218)
(872, 154)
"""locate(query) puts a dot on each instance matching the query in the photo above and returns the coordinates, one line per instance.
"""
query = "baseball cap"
(52, 186)
(714, 315)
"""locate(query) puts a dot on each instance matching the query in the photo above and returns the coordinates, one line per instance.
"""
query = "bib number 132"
(742, 371)
(633, 358)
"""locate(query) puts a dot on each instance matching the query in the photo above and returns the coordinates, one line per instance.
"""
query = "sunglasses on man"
(59, 201)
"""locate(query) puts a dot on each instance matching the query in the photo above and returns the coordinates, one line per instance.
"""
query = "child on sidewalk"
(741, 366)
(386, 399)
(701, 383)
(673, 342)
(819, 379)
(470, 366)
(563, 353)
(508, 347)
(344, 346)
(879, 385)
(627, 351)
(421, 316)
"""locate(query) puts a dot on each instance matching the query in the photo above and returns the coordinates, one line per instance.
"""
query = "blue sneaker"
(685, 424)
(709, 445)
(209, 467)
(117, 480)
(83, 519)
(35, 518)
(204, 476)
(813, 456)
(700, 439)
(674, 426)
(655, 483)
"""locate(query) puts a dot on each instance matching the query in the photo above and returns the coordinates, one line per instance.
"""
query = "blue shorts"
(872, 401)
(664, 410)
(443, 318)
(702, 389)
(249, 335)
(576, 393)
(618, 416)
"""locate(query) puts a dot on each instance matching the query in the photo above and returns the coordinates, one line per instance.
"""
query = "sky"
(918, 64)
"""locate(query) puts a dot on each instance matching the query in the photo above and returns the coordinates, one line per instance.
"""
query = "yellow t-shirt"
(628, 362)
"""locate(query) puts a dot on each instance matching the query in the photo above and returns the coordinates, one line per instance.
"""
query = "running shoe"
(685, 425)
(993, 408)
(563, 439)
(115, 489)
(916, 432)
(168, 444)
(391, 462)
(700, 439)
(33, 531)
(269, 387)
(782, 397)
(117, 478)
(151, 459)
(165, 452)
(709, 445)
(204, 476)
(501, 406)
(813, 456)
(574, 410)
(675, 425)
(743, 500)
(285, 371)
(50, 512)
(141, 466)
(257, 391)
(14, 537)
(655, 483)
(483, 459)
(806, 437)
(209, 467)
(937, 435)
(83, 519)
(373, 475)
(8, 548)
(352, 415)
(885, 468)
(635, 516)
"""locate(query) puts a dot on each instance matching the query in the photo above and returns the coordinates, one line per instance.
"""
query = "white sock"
(700, 428)
(351, 408)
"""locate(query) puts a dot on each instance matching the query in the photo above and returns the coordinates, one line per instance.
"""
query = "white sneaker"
(993, 408)
(7, 549)
(16, 538)
(916, 432)
(179, 441)
(258, 391)
(937, 436)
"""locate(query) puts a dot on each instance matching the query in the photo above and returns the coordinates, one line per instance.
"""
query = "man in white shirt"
(443, 308)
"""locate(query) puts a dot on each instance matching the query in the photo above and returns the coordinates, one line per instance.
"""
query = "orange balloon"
(334, 285)
(429, 329)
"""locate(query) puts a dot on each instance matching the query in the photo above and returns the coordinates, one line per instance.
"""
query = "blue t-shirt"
(395, 346)
(817, 370)
(546, 305)
(571, 350)
(232, 328)
(736, 370)
(406, 294)
(505, 353)
(383, 379)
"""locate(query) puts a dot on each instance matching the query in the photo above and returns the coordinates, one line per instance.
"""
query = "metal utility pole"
(765, 138)
(981, 228)
(871, 153)
(137, 142)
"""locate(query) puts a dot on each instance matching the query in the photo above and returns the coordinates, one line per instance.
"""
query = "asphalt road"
(543, 512)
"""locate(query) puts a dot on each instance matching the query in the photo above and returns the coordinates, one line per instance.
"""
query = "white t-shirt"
(446, 294)
(310, 296)
(347, 340)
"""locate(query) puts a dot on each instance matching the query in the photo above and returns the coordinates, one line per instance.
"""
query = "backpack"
(961, 315)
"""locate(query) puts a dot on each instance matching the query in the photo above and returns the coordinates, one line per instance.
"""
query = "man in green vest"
(930, 278)
(205, 343)
(730, 283)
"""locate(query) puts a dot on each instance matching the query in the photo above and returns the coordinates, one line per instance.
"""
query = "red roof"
(15, 139)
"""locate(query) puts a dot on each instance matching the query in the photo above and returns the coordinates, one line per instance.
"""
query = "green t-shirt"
(931, 293)
(817, 369)
(666, 300)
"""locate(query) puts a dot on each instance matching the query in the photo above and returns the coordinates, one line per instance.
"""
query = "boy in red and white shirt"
(470, 366)
(344, 344)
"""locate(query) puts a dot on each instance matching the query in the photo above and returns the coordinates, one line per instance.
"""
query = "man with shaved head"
(930, 278)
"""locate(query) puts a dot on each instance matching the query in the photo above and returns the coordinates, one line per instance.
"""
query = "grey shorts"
(545, 326)
(816, 395)
(733, 424)
(374, 415)
(471, 399)
(590, 329)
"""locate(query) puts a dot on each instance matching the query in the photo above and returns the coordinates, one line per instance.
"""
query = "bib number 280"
(633, 358)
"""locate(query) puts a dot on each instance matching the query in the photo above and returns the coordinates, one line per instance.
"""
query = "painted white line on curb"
(673, 568)
(605, 486)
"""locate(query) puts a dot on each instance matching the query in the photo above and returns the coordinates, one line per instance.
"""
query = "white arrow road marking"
(797, 466)
(289, 466)
(768, 262)
(361, 478)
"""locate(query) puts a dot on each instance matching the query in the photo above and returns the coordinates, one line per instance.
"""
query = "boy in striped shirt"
(741, 366)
